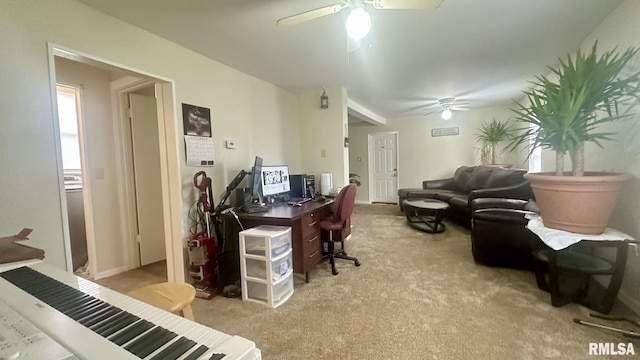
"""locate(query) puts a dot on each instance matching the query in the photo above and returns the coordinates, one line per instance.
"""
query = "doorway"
(72, 150)
(110, 170)
(383, 169)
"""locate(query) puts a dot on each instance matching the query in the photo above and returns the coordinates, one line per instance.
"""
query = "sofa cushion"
(461, 178)
(459, 201)
(504, 177)
(404, 192)
(445, 195)
(418, 193)
(479, 178)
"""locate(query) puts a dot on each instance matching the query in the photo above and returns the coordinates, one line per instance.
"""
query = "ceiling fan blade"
(459, 108)
(405, 4)
(432, 112)
(310, 15)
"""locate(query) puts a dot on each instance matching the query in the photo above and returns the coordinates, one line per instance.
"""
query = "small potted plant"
(563, 112)
(490, 134)
(353, 179)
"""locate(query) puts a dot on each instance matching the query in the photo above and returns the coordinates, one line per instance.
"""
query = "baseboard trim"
(107, 273)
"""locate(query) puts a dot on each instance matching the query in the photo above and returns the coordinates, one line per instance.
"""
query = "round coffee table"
(425, 214)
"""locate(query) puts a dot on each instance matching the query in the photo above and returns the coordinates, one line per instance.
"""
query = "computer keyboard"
(299, 203)
(254, 208)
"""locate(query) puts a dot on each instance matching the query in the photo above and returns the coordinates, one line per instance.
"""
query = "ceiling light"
(358, 23)
(446, 114)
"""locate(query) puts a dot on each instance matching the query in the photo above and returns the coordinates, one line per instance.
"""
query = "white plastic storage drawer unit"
(266, 264)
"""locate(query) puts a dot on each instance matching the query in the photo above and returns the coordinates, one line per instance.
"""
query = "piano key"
(216, 356)
(175, 350)
(197, 352)
(150, 342)
(100, 317)
(130, 332)
(86, 310)
(122, 320)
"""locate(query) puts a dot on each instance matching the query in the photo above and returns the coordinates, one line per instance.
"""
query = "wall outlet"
(229, 144)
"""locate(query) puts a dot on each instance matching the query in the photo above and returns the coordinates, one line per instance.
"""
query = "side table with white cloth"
(579, 257)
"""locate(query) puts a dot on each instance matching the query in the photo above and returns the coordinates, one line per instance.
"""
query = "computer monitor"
(275, 180)
(256, 171)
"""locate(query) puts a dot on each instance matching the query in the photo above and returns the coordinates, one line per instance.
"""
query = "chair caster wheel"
(357, 263)
(334, 272)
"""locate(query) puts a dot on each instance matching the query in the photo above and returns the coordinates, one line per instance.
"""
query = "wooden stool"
(171, 296)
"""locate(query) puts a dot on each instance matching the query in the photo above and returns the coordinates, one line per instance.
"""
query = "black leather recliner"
(499, 236)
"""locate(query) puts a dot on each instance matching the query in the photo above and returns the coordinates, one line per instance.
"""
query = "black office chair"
(341, 211)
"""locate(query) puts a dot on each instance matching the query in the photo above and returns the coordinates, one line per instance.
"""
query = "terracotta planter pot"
(578, 204)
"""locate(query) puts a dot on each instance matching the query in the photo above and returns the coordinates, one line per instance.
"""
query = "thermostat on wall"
(229, 144)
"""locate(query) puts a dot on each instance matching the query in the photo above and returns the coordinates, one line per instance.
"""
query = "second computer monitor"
(275, 182)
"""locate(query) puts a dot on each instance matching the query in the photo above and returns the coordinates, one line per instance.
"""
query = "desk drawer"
(311, 243)
(312, 254)
(310, 224)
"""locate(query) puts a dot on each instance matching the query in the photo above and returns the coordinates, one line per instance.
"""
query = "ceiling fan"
(446, 106)
(358, 22)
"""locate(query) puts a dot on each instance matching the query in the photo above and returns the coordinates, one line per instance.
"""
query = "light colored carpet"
(416, 296)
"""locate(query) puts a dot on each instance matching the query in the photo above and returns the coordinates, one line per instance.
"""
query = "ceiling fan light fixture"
(358, 23)
(446, 114)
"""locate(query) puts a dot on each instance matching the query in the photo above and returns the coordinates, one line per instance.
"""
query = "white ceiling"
(481, 51)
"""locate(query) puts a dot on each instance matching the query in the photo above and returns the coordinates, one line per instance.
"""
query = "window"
(69, 139)
(535, 159)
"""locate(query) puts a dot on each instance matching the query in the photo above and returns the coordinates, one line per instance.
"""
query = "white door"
(148, 189)
(383, 167)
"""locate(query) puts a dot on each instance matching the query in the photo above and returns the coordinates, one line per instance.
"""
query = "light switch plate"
(229, 144)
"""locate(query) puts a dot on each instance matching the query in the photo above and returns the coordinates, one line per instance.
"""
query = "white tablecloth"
(558, 239)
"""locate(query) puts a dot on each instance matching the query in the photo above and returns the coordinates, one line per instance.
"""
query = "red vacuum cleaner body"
(203, 249)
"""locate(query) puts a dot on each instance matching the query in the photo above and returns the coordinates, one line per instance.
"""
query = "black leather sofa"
(468, 183)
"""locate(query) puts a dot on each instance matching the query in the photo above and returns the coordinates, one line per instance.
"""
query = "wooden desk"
(305, 233)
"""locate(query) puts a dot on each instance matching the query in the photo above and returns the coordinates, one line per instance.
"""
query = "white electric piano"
(46, 313)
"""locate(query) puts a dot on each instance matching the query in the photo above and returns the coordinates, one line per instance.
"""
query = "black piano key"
(150, 342)
(65, 301)
(197, 352)
(150, 348)
(175, 350)
(217, 356)
(100, 316)
(115, 326)
(82, 310)
(149, 336)
(119, 323)
(131, 332)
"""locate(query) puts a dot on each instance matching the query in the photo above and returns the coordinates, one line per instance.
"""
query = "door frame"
(370, 157)
(169, 162)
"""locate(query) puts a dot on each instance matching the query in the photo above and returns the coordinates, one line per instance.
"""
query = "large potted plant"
(564, 111)
(490, 134)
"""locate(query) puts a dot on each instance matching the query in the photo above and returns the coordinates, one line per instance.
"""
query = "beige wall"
(421, 156)
(260, 117)
(324, 130)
